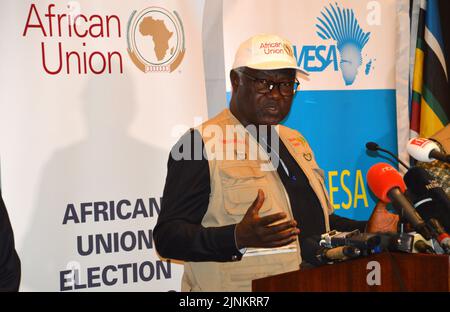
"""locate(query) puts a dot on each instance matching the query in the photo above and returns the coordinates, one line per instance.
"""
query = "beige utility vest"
(237, 171)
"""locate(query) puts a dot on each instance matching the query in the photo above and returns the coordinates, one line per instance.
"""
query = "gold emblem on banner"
(156, 40)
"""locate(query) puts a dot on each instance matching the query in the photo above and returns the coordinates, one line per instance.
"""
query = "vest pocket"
(241, 174)
(237, 200)
(240, 183)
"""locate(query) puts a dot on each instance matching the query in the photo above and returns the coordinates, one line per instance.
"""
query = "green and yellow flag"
(430, 107)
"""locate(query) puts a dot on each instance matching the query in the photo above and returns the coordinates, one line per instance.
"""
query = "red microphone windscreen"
(382, 178)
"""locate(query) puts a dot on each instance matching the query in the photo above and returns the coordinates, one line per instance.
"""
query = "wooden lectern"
(378, 273)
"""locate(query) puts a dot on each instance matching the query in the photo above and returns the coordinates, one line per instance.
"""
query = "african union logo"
(155, 39)
(342, 26)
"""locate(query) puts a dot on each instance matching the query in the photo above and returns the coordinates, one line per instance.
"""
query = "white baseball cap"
(267, 52)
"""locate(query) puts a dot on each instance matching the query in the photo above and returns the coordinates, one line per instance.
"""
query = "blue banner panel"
(337, 125)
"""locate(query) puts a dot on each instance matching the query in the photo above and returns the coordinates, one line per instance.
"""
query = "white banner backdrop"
(300, 22)
(93, 94)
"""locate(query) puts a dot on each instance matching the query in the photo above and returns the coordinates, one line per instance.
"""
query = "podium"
(382, 272)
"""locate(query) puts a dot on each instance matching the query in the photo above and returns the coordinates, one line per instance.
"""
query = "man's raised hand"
(256, 231)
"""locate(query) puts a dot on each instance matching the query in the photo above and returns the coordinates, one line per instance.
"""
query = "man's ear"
(234, 78)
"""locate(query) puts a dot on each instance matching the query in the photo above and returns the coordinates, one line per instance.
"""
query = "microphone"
(367, 243)
(341, 253)
(426, 150)
(423, 247)
(387, 184)
(315, 254)
(372, 146)
(442, 237)
(430, 200)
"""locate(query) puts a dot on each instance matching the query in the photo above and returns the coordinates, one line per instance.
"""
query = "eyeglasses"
(263, 86)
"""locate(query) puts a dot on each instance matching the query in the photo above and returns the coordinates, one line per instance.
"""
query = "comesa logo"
(342, 27)
(156, 40)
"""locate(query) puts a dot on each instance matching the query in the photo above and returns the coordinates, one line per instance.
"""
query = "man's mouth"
(271, 108)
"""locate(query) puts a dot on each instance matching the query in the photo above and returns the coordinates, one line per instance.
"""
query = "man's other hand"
(382, 220)
(256, 231)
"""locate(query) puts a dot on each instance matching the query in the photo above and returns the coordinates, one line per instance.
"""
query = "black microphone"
(423, 247)
(441, 235)
(317, 255)
(374, 147)
(440, 156)
(336, 254)
(426, 150)
(428, 197)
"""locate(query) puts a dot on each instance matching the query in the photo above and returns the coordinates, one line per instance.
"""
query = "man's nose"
(275, 91)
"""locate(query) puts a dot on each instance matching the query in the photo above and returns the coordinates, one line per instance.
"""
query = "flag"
(430, 105)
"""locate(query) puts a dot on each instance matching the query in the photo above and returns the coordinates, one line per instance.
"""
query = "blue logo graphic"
(342, 26)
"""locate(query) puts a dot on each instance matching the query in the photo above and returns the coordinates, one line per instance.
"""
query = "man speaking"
(242, 191)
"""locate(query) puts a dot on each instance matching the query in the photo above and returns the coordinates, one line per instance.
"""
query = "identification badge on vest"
(307, 156)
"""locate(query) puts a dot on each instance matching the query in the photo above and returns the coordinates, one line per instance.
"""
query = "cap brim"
(302, 75)
(278, 65)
